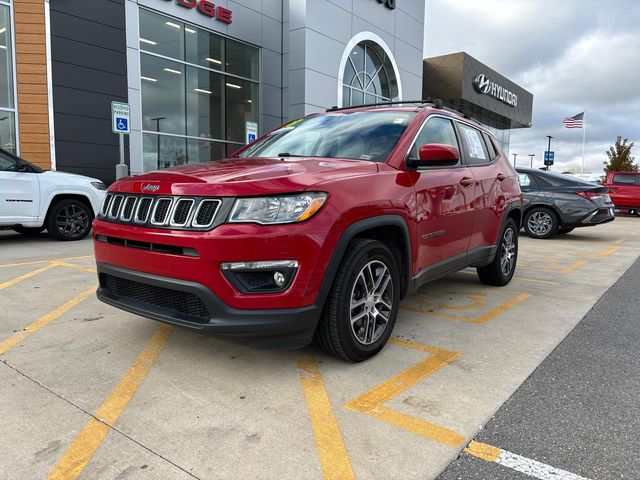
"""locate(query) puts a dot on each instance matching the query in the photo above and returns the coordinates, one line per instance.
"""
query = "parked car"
(556, 203)
(32, 199)
(319, 227)
(624, 189)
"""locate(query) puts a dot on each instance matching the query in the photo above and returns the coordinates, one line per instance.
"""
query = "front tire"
(500, 271)
(362, 306)
(69, 220)
(540, 222)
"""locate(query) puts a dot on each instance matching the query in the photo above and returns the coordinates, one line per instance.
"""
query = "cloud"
(573, 56)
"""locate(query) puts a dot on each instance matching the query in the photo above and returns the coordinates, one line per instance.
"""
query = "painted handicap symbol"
(121, 124)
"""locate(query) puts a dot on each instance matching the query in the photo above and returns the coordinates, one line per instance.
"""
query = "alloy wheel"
(71, 221)
(508, 252)
(371, 302)
(540, 223)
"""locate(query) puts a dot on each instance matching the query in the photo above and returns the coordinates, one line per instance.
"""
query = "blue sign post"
(549, 157)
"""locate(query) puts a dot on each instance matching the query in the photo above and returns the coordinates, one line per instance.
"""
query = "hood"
(70, 177)
(244, 176)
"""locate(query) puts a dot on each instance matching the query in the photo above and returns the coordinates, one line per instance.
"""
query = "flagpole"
(584, 134)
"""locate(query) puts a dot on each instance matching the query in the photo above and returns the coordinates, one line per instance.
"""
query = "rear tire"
(69, 220)
(541, 222)
(30, 231)
(563, 231)
(362, 306)
(500, 271)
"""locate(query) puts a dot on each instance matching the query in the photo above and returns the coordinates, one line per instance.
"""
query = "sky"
(572, 55)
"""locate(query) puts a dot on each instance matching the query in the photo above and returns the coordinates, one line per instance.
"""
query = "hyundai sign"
(484, 85)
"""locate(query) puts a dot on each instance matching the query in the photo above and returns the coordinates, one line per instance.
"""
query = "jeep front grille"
(181, 213)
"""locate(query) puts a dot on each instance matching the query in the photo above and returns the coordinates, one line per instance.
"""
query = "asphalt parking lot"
(89, 391)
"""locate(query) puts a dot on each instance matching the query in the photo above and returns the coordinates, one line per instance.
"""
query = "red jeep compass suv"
(318, 228)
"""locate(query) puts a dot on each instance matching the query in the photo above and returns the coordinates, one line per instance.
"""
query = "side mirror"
(21, 167)
(436, 155)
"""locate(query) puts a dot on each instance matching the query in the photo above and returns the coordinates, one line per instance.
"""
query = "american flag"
(574, 122)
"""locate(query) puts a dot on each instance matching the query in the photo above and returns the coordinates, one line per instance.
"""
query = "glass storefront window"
(8, 131)
(6, 59)
(194, 105)
(204, 49)
(241, 60)
(164, 151)
(7, 92)
(204, 103)
(163, 102)
(161, 35)
(241, 107)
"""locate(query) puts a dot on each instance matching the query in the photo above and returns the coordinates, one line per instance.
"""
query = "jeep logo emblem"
(150, 188)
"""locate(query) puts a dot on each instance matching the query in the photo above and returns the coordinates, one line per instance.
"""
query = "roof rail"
(434, 102)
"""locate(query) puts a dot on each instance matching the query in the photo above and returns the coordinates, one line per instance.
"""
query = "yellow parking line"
(334, 459)
(574, 266)
(88, 441)
(535, 280)
(371, 402)
(608, 252)
(483, 451)
(26, 276)
(485, 317)
(73, 265)
(43, 321)
(35, 262)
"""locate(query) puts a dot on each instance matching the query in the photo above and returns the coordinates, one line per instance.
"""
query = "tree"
(620, 159)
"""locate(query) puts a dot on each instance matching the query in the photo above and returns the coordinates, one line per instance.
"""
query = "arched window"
(369, 74)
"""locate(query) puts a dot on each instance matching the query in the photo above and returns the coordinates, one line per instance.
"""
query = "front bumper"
(193, 305)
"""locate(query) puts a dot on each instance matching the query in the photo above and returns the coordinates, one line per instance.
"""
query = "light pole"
(549, 148)
(531, 155)
(514, 159)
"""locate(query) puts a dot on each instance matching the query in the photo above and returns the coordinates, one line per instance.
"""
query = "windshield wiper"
(287, 154)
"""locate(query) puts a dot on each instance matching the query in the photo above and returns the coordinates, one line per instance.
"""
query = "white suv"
(32, 199)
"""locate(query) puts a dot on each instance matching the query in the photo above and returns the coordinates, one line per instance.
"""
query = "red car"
(318, 228)
(624, 190)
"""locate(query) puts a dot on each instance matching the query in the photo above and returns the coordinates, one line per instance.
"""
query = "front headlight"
(274, 210)
(99, 185)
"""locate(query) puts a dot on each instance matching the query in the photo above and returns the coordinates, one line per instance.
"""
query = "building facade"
(472, 87)
(202, 78)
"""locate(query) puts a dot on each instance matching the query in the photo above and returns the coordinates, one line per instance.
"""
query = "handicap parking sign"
(120, 118)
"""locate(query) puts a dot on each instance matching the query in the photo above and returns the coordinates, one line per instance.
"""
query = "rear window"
(625, 179)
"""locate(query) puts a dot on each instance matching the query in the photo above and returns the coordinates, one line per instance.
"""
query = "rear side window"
(490, 147)
(436, 130)
(524, 179)
(625, 179)
(474, 145)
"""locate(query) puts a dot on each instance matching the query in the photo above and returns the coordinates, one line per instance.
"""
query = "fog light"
(279, 279)
(264, 276)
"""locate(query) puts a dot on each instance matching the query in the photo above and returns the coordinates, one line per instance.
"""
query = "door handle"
(466, 181)
(501, 177)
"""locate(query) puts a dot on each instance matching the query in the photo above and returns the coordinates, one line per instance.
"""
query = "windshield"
(352, 135)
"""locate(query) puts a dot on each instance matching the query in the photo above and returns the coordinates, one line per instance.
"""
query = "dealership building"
(203, 78)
